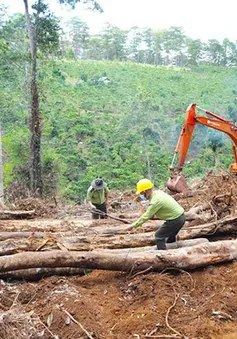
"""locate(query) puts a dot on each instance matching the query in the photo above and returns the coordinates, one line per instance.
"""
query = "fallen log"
(75, 243)
(11, 246)
(38, 273)
(85, 242)
(183, 258)
(50, 225)
(83, 231)
(170, 246)
(228, 225)
(193, 213)
(15, 242)
(198, 209)
(16, 214)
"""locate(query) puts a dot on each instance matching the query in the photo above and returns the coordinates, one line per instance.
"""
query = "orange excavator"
(177, 182)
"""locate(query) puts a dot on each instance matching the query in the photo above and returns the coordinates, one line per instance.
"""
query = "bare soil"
(200, 304)
(115, 305)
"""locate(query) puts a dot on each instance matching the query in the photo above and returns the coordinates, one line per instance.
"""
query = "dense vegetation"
(116, 119)
(98, 127)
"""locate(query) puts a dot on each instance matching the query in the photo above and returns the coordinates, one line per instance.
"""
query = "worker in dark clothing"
(163, 207)
(97, 197)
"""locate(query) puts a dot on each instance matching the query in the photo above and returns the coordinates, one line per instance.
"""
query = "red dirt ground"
(113, 305)
(200, 304)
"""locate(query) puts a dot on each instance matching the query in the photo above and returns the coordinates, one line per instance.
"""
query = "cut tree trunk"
(89, 238)
(184, 258)
(220, 226)
(75, 243)
(38, 273)
(193, 213)
(45, 225)
(67, 229)
(15, 241)
(170, 246)
(14, 246)
(16, 214)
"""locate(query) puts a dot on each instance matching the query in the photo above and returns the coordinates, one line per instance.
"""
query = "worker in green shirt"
(97, 198)
(163, 207)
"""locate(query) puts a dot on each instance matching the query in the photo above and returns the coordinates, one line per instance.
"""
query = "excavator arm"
(177, 182)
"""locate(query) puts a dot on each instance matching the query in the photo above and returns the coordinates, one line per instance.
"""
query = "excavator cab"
(177, 182)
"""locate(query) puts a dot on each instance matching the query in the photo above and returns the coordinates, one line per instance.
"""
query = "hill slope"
(112, 119)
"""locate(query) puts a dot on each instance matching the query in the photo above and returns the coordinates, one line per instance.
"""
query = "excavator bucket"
(177, 184)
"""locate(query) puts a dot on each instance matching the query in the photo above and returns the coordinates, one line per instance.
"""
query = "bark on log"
(83, 231)
(16, 214)
(85, 242)
(175, 245)
(193, 213)
(76, 243)
(11, 246)
(183, 258)
(82, 242)
(198, 209)
(228, 225)
(45, 225)
(38, 273)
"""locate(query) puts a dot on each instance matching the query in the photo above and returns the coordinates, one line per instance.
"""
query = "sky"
(200, 19)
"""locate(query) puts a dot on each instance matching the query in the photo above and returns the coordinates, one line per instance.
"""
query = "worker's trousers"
(101, 208)
(168, 231)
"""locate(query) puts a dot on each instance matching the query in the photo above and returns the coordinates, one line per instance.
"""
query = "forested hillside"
(113, 119)
(105, 110)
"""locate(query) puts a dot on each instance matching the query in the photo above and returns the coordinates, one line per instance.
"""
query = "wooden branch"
(105, 214)
(184, 258)
(79, 324)
(112, 217)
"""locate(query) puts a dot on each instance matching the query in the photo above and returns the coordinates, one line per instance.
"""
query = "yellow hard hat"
(144, 185)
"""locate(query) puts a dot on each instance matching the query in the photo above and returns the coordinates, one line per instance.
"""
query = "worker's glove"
(133, 228)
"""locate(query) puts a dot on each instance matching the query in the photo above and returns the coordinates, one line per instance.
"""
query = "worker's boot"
(161, 243)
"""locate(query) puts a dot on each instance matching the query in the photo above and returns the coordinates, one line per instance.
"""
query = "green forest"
(109, 106)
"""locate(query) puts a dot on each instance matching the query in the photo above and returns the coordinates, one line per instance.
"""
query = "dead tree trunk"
(35, 118)
(147, 155)
(184, 258)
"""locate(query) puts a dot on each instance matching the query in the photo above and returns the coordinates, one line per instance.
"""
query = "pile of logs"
(35, 247)
(41, 247)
